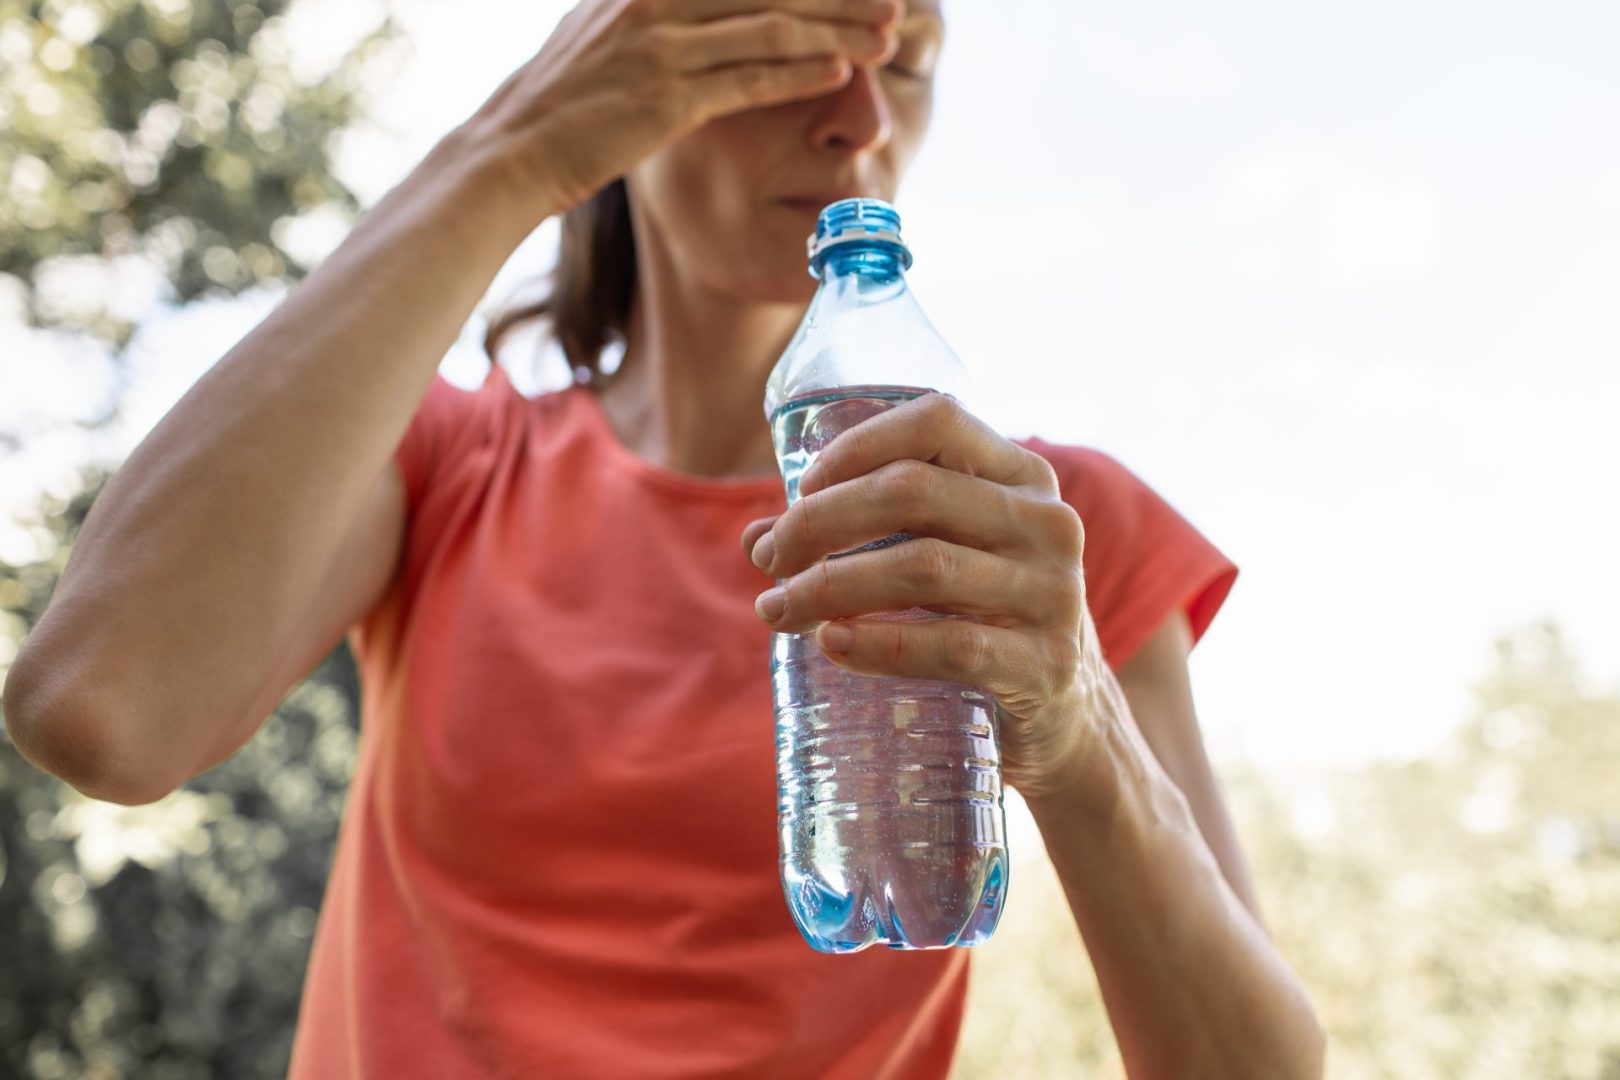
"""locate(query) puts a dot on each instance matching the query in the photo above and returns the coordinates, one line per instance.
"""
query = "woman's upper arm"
(1156, 685)
(353, 583)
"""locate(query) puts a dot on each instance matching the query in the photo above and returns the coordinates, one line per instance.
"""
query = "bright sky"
(1341, 283)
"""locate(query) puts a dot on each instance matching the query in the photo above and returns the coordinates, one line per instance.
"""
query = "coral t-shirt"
(559, 855)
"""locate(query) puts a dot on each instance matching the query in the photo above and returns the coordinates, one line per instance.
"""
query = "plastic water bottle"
(889, 789)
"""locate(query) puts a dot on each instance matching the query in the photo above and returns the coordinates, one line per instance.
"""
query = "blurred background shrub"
(176, 141)
(1452, 917)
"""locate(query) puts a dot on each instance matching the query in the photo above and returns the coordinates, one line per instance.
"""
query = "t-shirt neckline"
(660, 475)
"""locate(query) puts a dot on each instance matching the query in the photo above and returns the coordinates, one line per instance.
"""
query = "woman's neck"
(689, 392)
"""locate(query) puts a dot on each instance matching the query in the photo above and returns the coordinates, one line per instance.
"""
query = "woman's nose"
(857, 116)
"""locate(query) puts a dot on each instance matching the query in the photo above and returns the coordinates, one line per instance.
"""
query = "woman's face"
(732, 203)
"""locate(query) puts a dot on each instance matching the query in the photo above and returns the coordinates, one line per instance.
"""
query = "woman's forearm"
(1193, 985)
(207, 545)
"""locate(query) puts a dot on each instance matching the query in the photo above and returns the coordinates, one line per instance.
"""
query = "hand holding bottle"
(992, 540)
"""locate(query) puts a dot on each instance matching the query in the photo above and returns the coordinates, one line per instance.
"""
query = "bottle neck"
(876, 264)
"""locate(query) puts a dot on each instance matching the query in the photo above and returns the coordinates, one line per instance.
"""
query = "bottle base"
(833, 920)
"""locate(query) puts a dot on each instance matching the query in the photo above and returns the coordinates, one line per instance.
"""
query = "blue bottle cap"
(850, 221)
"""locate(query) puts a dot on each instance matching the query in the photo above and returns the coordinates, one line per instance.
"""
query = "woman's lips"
(813, 202)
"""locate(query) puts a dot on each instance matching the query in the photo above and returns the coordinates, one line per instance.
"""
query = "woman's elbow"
(66, 733)
(1312, 1056)
(1308, 1057)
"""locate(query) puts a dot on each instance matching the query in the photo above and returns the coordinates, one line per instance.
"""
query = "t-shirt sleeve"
(1143, 559)
(426, 442)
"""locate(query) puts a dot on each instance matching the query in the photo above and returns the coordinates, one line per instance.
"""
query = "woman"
(559, 855)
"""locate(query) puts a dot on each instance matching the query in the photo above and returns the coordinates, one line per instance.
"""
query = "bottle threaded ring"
(856, 221)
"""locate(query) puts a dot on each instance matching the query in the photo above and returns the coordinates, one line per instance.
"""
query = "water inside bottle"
(892, 828)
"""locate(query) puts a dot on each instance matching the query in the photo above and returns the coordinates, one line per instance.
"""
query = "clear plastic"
(890, 797)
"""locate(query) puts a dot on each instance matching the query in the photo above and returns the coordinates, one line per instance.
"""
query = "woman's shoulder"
(457, 418)
(1109, 496)
(463, 397)
(1088, 475)
(490, 403)
(1143, 558)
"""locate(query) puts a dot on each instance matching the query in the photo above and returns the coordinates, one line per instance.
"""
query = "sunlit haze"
(1341, 283)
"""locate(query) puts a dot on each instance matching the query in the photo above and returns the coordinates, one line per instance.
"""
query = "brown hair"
(592, 284)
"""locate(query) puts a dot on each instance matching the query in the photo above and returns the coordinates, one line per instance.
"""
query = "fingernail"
(837, 637)
(764, 551)
(771, 603)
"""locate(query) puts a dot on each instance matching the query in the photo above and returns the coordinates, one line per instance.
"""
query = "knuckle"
(821, 585)
(1077, 539)
(930, 561)
(1045, 478)
(898, 647)
(806, 520)
(910, 483)
(849, 444)
(943, 411)
(1063, 662)
(1062, 522)
(966, 648)
(656, 48)
(855, 442)
(778, 31)
(1069, 598)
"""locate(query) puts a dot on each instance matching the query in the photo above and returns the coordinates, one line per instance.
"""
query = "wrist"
(1093, 719)
(488, 165)
(1083, 784)
(1107, 761)
(469, 170)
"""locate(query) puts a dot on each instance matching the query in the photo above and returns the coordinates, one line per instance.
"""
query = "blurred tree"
(1452, 917)
(1459, 916)
(167, 940)
(169, 139)
(166, 131)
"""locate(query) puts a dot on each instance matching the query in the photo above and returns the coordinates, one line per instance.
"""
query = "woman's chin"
(779, 286)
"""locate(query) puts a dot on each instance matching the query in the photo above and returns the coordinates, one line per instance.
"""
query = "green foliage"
(161, 129)
(1453, 917)
(167, 940)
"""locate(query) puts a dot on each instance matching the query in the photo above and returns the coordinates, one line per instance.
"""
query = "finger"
(879, 12)
(751, 86)
(906, 496)
(922, 573)
(757, 528)
(771, 36)
(935, 428)
(995, 660)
